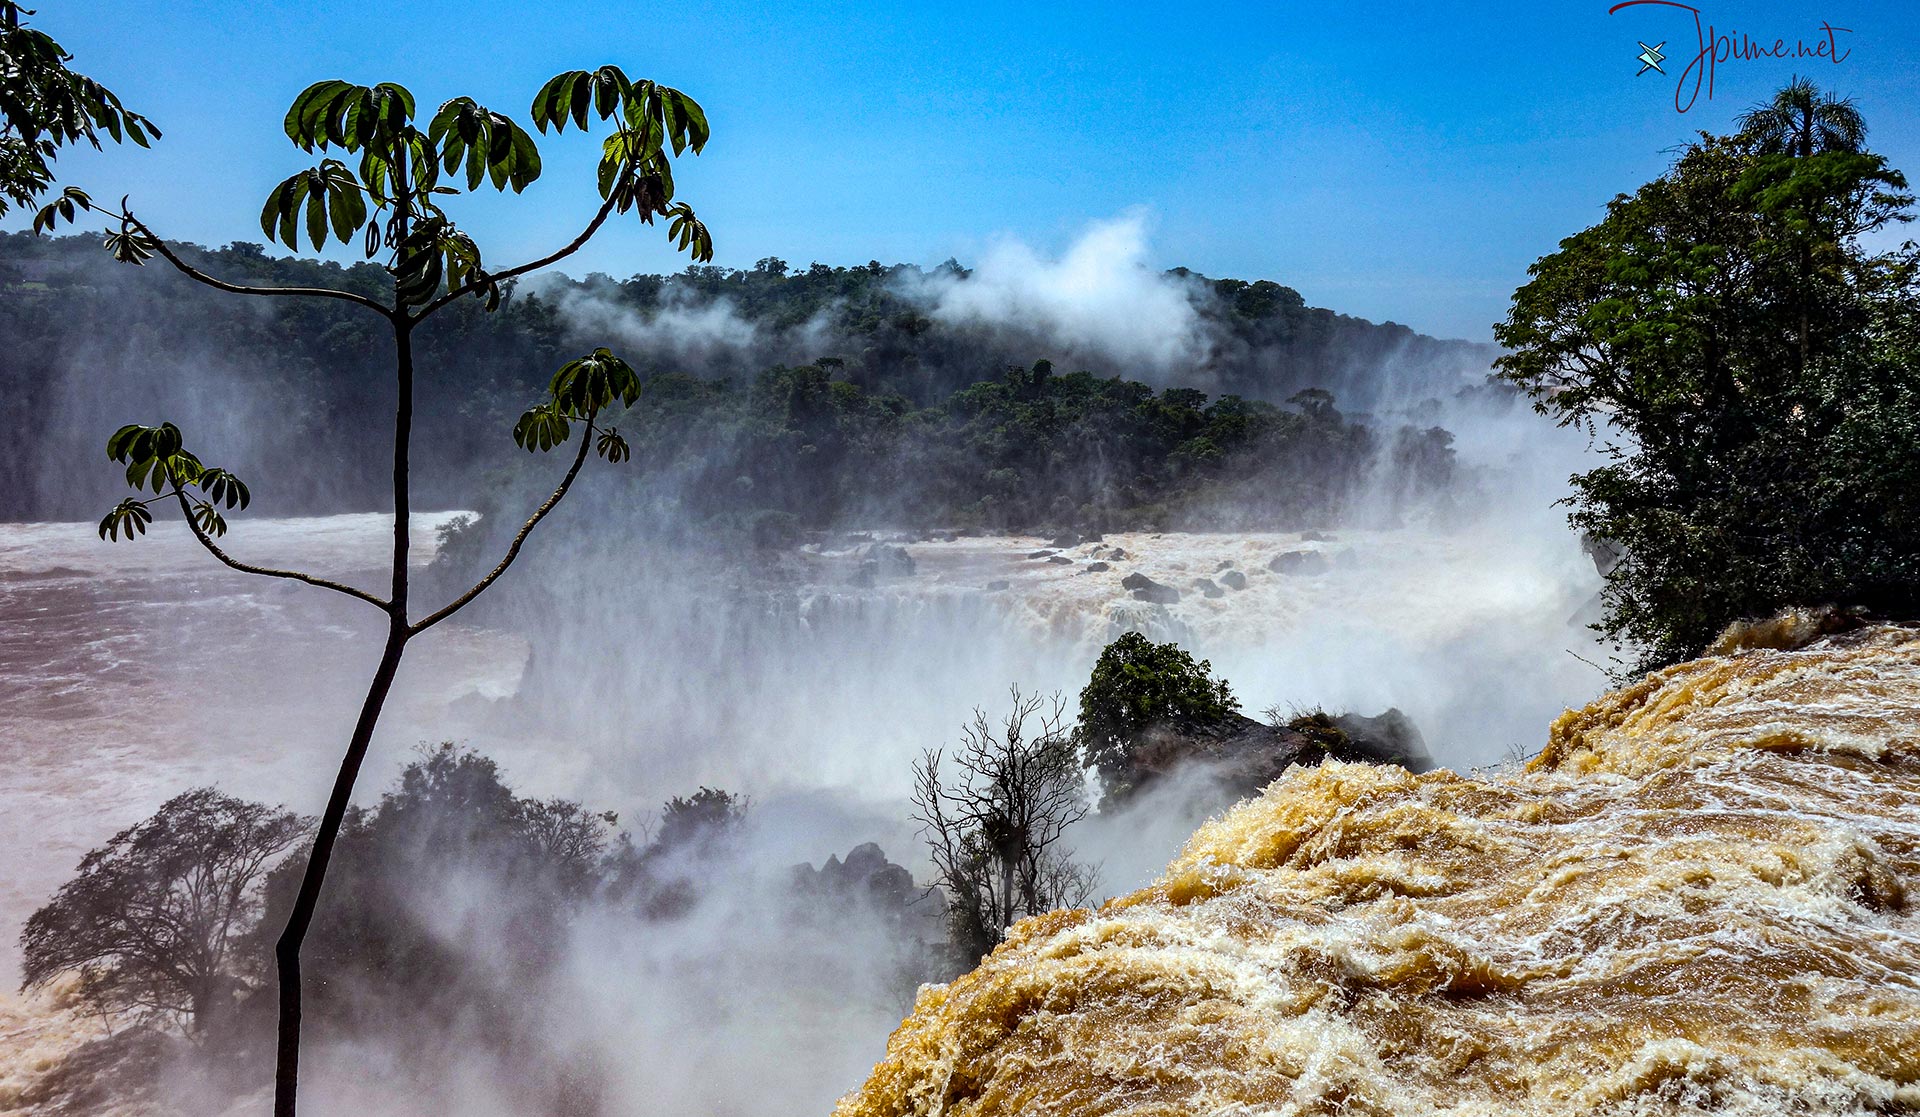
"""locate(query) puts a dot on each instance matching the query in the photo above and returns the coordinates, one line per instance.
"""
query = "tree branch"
(513, 549)
(192, 272)
(248, 568)
(473, 285)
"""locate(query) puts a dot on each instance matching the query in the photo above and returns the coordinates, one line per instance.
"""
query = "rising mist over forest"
(886, 356)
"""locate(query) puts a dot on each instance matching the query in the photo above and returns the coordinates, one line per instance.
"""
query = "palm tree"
(1803, 121)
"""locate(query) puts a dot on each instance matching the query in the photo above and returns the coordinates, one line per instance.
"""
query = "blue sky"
(1402, 162)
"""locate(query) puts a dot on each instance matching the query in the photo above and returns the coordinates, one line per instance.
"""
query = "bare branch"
(513, 549)
(248, 568)
(992, 836)
(192, 272)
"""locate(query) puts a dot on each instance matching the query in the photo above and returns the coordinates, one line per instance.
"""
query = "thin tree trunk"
(286, 1070)
(1006, 899)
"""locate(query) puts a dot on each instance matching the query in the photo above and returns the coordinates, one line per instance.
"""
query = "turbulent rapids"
(1698, 898)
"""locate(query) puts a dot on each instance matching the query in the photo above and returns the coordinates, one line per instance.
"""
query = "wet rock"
(1225, 564)
(1605, 554)
(1118, 555)
(1040, 554)
(1060, 560)
(879, 561)
(1315, 537)
(1387, 738)
(1299, 562)
(869, 879)
(1146, 589)
(1067, 539)
(1245, 755)
(1234, 580)
(1209, 587)
(1097, 567)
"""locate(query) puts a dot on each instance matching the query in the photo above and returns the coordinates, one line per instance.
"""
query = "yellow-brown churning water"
(1700, 898)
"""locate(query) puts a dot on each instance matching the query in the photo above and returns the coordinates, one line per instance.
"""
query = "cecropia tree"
(379, 188)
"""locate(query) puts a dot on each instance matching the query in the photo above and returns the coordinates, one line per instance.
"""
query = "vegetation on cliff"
(1745, 356)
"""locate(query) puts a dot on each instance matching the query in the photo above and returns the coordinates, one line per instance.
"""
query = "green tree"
(1136, 685)
(150, 921)
(45, 106)
(387, 203)
(1744, 360)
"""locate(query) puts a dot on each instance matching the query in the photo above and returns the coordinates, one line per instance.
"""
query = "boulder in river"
(879, 561)
(1298, 562)
(1209, 587)
(1146, 589)
(1235, 580)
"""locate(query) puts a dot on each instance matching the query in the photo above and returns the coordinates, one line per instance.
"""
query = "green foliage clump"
(1027, 449)
(1747, 362)
(45, 106)
(1138, 684)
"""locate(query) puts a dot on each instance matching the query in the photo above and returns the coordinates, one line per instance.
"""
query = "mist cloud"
(1099, 297)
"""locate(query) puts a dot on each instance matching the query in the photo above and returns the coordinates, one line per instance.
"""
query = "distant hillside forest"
(778, 400)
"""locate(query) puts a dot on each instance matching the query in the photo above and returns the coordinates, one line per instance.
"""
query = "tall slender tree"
(388, 203)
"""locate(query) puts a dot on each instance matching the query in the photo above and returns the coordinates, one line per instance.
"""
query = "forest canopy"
(841, 381)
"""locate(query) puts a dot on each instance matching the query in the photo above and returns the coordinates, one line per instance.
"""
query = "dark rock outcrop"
(1245, 755)
(1146, 589)
(1298, 562)
(881, 561)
